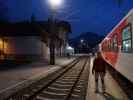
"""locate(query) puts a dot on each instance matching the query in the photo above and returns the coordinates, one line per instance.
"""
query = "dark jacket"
(99, 65)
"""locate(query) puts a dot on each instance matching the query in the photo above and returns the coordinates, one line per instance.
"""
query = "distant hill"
(85, 42)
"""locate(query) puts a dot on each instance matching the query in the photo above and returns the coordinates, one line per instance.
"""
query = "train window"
(111, 45)
(108, 46)
(127, 39)
(115, 43)
(115, 39)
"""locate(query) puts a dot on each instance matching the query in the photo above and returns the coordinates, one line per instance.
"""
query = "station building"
(29, 41)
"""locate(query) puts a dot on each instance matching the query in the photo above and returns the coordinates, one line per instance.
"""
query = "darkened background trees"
(3, 12)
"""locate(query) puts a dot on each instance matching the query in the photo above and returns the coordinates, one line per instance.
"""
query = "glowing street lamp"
(81, 40)
(55, 3)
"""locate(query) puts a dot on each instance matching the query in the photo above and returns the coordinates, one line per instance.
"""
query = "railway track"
(66, 84)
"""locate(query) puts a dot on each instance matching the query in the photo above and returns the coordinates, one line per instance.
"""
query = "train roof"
(129, 13)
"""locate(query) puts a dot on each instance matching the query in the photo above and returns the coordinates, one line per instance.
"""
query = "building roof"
(29, 28)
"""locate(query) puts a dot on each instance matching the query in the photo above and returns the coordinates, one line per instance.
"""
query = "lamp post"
(53, 4)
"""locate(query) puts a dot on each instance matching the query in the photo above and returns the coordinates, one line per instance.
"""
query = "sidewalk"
(14, 79)
(113, 90)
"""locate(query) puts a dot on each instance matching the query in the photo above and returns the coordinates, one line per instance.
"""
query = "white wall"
(45, 51)
(23, 45)
(26, 45)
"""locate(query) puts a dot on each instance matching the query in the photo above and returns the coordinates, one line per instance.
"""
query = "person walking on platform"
(99, 70)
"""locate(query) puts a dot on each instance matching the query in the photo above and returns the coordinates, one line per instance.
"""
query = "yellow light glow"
(1, 48)
(1, 43)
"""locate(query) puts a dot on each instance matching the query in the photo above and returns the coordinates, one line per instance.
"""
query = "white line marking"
(60, 89)
(76, 90)
(62, 82)
(74, 95)
(51, 93)
(62, 85)
(42, 98)
(70, 76)
(68, 79)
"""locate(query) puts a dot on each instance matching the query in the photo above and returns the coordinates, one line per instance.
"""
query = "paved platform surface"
(24, 75)
(113, 90)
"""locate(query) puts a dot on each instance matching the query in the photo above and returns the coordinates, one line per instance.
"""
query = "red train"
(117, 46)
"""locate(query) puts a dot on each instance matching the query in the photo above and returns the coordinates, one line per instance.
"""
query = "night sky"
(98, 16)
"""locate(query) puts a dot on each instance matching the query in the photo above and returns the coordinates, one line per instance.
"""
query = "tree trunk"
(52, 51)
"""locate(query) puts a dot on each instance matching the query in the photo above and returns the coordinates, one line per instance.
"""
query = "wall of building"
(45, 52)
(25, 47)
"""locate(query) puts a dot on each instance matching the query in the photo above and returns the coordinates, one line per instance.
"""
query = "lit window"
(1, 43)
(127, 39)
(1, 48)
(115, 43)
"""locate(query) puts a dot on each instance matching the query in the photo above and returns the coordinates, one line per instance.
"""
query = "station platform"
(14, 79)
(113, 90)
